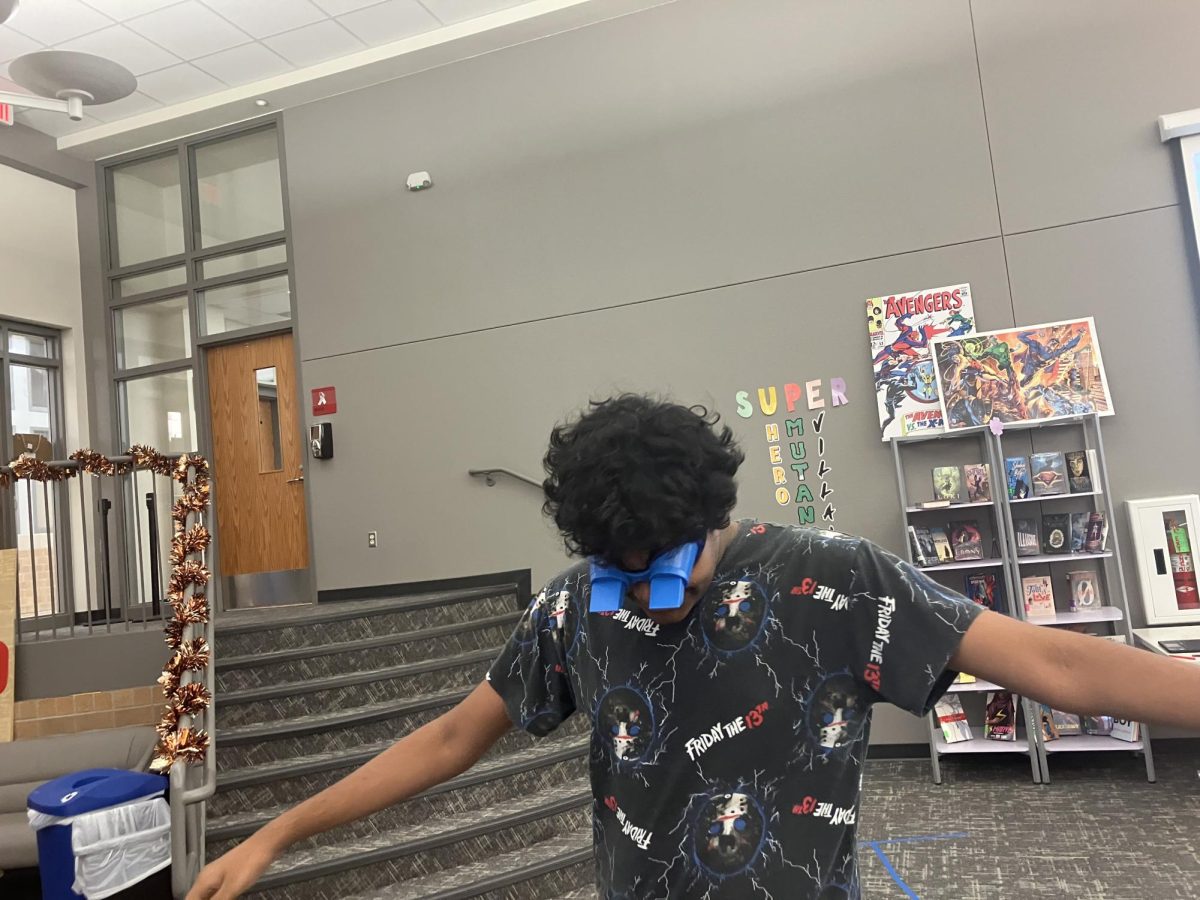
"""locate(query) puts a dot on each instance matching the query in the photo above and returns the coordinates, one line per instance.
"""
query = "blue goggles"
(668, 574)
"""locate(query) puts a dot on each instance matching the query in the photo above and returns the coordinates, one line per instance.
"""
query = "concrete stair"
(305, 694)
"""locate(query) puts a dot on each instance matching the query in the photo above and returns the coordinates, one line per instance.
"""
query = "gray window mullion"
(175, 365)
(245, 275)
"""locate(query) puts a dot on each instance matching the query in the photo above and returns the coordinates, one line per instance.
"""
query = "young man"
(728, 730)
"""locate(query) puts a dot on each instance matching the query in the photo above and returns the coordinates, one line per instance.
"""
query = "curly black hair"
(636, 474)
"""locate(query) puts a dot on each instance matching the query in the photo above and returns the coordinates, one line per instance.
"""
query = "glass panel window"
(160, 411)
(30, 399)
(238, 191)
(152, 333)
(149, 210)
(270, 450)
(246, 304)
(31, 345)
(151, 281)
(276, 254)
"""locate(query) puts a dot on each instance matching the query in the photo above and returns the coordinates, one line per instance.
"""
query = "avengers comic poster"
(901, 328)
(1030, 374)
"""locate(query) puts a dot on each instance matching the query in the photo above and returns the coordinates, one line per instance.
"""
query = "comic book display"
(1039, 373)
(900, 328)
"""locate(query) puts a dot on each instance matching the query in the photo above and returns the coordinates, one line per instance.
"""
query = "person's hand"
(234, 873)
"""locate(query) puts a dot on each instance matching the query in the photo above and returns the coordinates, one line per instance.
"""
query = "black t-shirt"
(726, 751)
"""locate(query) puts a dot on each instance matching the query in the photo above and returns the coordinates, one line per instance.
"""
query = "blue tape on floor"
(891, 870)
(876, 846)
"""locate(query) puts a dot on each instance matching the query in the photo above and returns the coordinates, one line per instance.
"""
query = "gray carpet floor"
(1098, 830)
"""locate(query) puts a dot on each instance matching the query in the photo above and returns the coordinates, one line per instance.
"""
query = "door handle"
(295, 480)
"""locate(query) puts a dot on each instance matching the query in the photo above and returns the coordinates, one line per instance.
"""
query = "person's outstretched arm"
(435, 752)
(1081, 674)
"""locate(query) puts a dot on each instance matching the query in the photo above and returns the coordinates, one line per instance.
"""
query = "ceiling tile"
(52, 123)
(121, 45)
(13, 45)
(188, 30)
(266, 17)
(11, 86)
(338, 7)
(389, 21)
(451, 11)
(120, 10)
(240, 65)
(178, 83)
(133, 105)
(314, 43)
(54, 21)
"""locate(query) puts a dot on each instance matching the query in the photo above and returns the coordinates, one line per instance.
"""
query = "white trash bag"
(118, 847)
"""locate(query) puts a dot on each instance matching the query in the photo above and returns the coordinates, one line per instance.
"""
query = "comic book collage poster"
(902, 328)
(1037, 373)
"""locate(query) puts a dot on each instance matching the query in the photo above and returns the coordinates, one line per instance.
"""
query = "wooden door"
(257, 456)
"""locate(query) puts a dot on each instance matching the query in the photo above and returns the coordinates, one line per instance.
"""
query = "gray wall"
(55, 668)
(696, 200)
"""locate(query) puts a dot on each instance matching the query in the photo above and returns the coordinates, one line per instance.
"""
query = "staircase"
(306, 694)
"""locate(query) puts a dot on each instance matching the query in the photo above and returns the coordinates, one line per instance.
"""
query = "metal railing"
(92, 552)
(102, 565)
(489, 476)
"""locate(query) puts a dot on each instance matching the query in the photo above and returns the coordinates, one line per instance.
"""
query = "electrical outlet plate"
(372, 539)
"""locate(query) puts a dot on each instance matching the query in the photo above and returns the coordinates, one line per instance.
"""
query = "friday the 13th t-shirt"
(727, 750)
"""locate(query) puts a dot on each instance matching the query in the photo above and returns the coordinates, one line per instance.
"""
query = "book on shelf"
(953, 719)
(979, 482)
(984, 588)
(1028, 538)
(918, 550)
(1067, 724)
(947, 483)
(1038, 593)
(934, 504)
(1125, 730)
(1079, 526)
(1079, 471)
(966, 540)
(1046, 723)
(1048, 474)
(1000, 717)
(1096, 539)
(1056, 533)
(1016, 471)
(942, 548)
(1102, 725)
(1085, 591)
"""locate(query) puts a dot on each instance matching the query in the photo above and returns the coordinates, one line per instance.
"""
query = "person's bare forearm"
(1099, 677)
(433, 753)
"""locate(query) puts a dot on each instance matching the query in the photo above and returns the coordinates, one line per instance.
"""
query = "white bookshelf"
(973, 687)
(982, 745)
(1110, 570)
(1080, 617)
(1061, 557)
(917, 516)
(964, 564)
(994, 449)
(1048, 497)
(1090, 743)
(951, 507)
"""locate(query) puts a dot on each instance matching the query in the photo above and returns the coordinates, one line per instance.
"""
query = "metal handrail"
(489, 476)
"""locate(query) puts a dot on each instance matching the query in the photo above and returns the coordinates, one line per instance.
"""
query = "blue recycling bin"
(73, 795)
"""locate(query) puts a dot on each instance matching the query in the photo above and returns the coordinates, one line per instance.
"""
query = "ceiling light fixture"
(7, 8)
(261, 102)
(66, 81)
